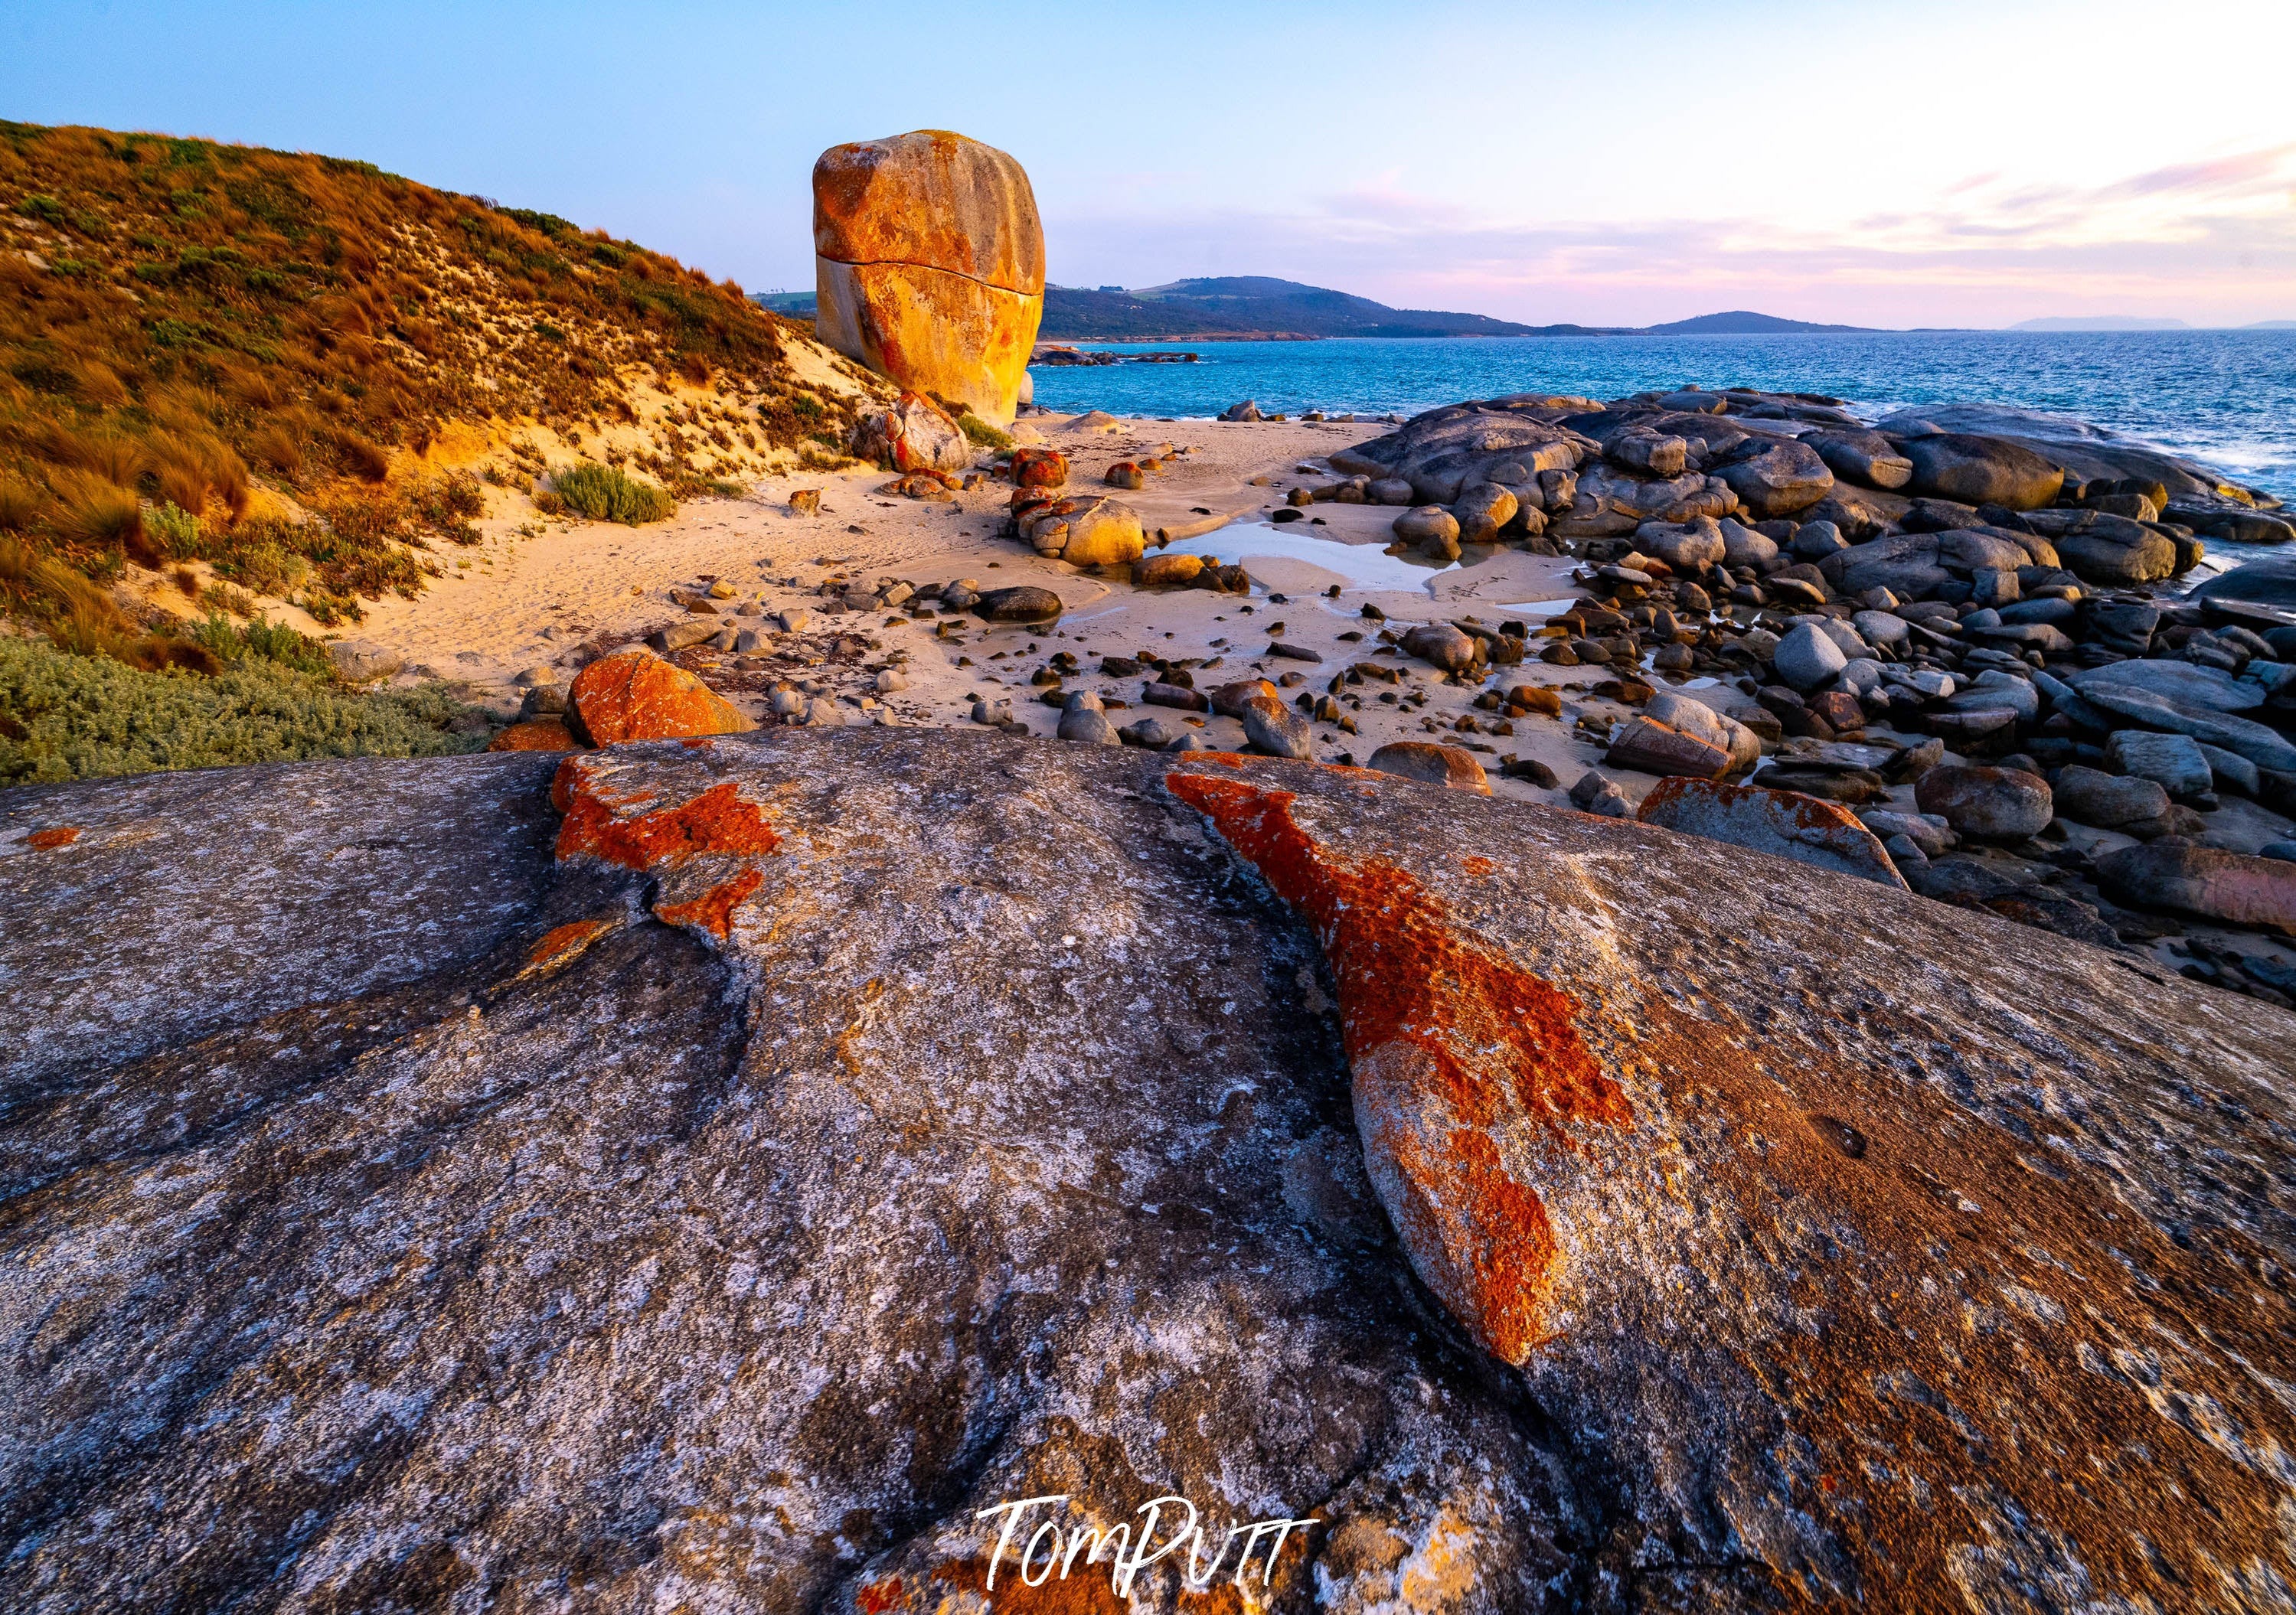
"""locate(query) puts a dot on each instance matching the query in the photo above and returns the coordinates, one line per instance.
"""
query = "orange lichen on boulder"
(561, 944)
(713, 910)
(1448, 1040)
(603, 823)
(716, 821)
(48, 841)
(635, 695)
(536, 734)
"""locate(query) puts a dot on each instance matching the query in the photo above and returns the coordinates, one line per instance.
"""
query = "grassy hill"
(1247, 305)
(259, 373)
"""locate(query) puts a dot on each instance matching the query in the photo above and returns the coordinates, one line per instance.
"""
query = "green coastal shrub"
(605, 494)
(979, 433)
(65, 717)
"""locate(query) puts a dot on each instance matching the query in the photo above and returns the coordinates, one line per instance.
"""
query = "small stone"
(794, 619)
(889, 680)
(1441, 645)
(1088, 724)
(1154, 734)
(1807, 658)
(1423, 522)
(1599, 794)
(1277, 731)
(1023, 604)
(2089, 796)
(1156, 694)
(357, 661)
(1450, 767)
(1648, 746)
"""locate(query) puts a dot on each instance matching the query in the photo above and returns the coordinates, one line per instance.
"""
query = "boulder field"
(928, 261)
(710, 1173)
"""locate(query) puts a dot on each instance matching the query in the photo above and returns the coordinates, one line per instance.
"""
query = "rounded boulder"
(1452, 767)
(1975, 470)
(1994, 804)
(635, 695)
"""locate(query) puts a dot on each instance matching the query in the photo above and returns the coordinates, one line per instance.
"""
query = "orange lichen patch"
(536, 734)
(1446, 1036)
(1475, 864)
(562, 944)
(637, 696)
(63, 835)
(713, 910)
(718, 821)
(877, 1597)
(1075, 1594)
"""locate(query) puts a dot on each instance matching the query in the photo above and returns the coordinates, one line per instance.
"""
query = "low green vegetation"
(64, 717)
(605, 494)
(978, 431)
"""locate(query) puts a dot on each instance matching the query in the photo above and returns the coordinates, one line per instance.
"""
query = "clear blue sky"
(1952, 163)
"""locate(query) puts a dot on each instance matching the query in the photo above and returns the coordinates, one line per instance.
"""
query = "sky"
(1616, 163)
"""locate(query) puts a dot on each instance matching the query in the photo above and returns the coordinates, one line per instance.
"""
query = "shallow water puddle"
(1364, 566)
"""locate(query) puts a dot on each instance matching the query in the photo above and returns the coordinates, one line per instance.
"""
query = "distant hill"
(2270, 326)
(1255, 304)
(1742, 322)
(1243, 306)
(2100, 322)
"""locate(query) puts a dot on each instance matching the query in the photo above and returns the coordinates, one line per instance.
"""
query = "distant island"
(1259, 307)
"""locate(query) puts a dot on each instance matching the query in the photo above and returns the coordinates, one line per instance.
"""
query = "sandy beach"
(528, 604)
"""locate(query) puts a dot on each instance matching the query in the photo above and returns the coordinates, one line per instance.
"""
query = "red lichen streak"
(63, 835)
(561, 943)
(713, 910)
(716, 821)
(1446, 1036)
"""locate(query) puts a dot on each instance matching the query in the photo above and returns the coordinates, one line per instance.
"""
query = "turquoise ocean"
(2226, 397)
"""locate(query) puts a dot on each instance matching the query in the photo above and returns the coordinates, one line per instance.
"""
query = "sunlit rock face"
(929, 259)
(711, 1173)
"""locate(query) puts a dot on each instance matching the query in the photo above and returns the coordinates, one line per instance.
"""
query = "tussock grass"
(605, 494)
(65, 717)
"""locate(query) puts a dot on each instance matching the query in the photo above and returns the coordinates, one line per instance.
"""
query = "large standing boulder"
(717, 1190)
(1976, 470)
(929, 259)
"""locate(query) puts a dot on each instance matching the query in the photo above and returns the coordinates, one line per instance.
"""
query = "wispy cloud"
(2213, 238)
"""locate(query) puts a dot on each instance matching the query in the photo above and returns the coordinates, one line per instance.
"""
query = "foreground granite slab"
(712, 1187)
